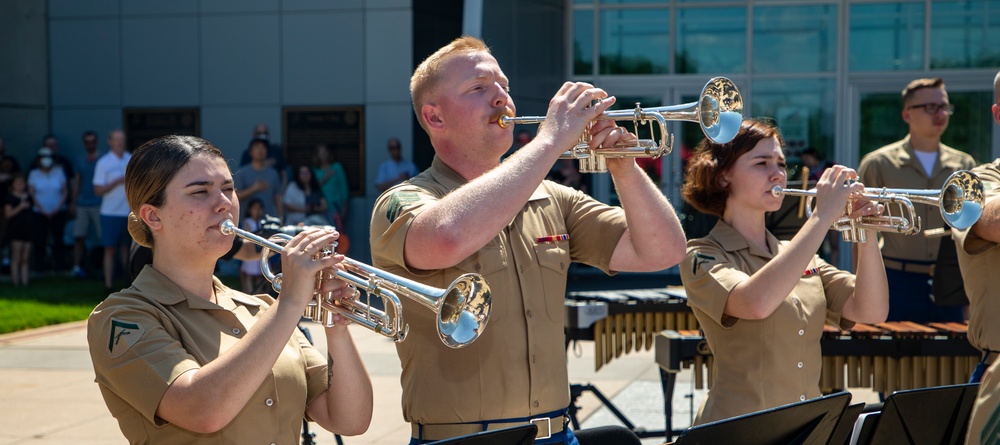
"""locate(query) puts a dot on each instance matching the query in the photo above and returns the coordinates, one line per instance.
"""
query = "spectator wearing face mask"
(49, 188)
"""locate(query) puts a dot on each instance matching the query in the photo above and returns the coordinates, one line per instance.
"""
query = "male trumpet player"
(918, 161)
(978, 255)
(471, 213)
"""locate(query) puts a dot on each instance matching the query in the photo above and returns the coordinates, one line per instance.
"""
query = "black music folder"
(804, 423)
(938, 415)
(515, 435)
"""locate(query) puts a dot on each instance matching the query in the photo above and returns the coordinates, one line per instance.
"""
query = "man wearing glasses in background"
(918, 161)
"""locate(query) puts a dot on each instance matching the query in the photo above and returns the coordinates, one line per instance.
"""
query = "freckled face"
(197, 200)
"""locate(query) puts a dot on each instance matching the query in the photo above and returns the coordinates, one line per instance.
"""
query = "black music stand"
(845, 426)
(803, 423)
(938, 415)
(515, 435)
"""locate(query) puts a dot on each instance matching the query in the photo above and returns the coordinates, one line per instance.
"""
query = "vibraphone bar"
(620, 321)
(886, 357)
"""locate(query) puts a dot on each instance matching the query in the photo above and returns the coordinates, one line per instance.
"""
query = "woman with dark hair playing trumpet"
(180, 357)
(762, 303)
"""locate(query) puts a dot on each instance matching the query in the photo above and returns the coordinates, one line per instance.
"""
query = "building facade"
(828, 72)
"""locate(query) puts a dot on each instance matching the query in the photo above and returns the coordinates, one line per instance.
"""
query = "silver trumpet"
(719, 111)
(462, 309)
(960, 200)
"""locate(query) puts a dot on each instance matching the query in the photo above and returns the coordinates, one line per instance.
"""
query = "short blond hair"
(427, 76)
(996, 88)
(919, 84)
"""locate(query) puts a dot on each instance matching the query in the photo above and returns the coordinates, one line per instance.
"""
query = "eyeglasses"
(934, 108)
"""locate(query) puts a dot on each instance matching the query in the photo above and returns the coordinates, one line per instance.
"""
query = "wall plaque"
(143, 124)
(340, 128)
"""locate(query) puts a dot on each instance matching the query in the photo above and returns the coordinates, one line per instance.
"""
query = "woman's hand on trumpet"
(835, 187)
(301, 260)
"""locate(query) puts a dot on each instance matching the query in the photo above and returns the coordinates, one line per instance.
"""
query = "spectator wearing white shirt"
(109, 184)
(395, 169)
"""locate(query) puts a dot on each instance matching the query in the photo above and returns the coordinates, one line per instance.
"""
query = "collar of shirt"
(732, 241)
(157, 287)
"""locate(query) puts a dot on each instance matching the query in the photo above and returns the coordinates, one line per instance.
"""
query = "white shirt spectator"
(48, 188)
(109, 168)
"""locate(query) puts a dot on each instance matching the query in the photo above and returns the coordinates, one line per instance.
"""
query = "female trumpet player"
(762, 303)
(182, 358)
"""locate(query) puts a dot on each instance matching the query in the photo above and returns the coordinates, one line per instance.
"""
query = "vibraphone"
(620, 321)
(886, 357)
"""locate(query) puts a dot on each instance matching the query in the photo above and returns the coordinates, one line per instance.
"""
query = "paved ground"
(49, 397)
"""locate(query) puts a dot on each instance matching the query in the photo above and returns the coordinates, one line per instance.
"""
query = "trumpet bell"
(464, 311)
(720, 110)
(962, 199)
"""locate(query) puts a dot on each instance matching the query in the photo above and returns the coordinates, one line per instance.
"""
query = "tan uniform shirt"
(144, 337)
(517, 367)
(985, 417)
(760, 364)
(978, 259)
(896, 166)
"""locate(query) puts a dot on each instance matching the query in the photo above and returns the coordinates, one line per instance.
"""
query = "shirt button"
(562, 265)
(236, 331)
(530, 314)
(536, 404)
(802, 398)
(479, 267)
(802, 332)
(269, 402)
(800, 364)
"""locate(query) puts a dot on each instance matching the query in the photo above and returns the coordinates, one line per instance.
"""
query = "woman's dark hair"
(313, 182)
(703, 187)
(152, 167)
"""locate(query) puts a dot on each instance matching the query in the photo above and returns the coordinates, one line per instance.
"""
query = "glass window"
(802, 109)
(634, 41)
(795, 39)
(881, 123)
(583, 43)
(711, 40)
(965, 34)
(886, 37)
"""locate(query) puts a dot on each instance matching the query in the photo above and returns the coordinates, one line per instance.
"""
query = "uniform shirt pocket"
(491, 263)
(553, 262)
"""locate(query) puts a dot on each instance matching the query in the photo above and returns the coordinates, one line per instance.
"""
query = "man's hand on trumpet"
(571, 112)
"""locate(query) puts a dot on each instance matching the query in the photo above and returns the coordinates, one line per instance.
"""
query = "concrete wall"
(239, 62)
(24, 82)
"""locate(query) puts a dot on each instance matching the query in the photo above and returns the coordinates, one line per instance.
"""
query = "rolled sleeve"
(392, 216)
(709, 277)
(152, 353)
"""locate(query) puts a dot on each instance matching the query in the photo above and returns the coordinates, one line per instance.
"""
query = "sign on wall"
(340, 128)
(143, 124)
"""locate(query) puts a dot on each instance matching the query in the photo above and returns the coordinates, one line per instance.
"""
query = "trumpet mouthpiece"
(504, 119)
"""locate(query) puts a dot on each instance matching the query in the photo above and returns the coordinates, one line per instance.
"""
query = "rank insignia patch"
(397, 202)
(123, 335)
(700, 259)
